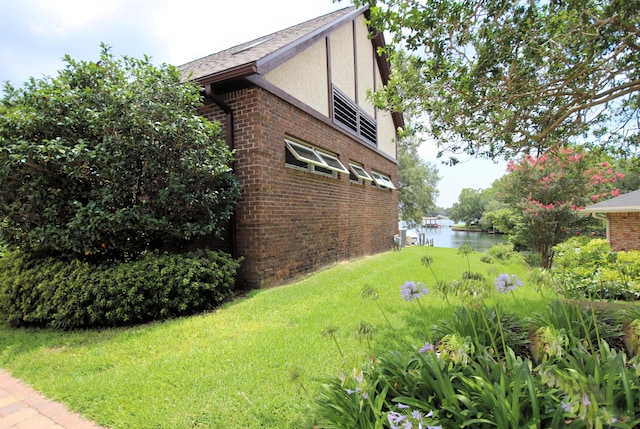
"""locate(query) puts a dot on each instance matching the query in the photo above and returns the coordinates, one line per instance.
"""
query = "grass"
(255, 363)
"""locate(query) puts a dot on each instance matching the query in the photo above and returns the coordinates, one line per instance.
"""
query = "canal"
(445, 236)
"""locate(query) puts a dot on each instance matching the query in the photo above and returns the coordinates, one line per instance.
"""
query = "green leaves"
(110, 157)
(72, 294)
(586, 268)
(496, 78)
(418, 182)
(467, 381)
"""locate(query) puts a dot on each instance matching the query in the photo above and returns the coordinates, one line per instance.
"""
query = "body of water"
(444, 236)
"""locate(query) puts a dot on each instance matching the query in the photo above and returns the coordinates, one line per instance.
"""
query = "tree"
(495, 213)
(498, 78)
(550, 191)
(417, 182)
(470, 206)
(110, 158)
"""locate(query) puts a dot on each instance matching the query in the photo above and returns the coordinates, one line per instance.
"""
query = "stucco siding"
(305, 77)
(365, 61)
(386, 134)
(342, 63)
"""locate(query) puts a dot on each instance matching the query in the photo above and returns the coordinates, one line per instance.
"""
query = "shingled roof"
(629, 202)
(263, 54)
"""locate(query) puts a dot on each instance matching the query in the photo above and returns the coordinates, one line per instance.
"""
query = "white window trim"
(382, 180)
(321, 159)
(360, 172)
(337, 165)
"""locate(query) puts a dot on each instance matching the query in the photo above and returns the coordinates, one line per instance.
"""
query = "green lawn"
(255, 363)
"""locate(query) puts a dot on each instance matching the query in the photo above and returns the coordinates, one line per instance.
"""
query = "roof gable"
(629, 202)
(263, 54)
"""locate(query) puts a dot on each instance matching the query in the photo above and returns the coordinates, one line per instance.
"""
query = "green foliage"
(480, 374)
(504, 220)
(417, 183)
(475, 67)
(586, 268)
(503, 252)
(110, 158)
(470, 206)
(70, 294)
(494, 209)
(564, 326)
(484, 326)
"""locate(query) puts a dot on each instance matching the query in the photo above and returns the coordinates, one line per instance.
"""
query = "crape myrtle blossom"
(411, 291)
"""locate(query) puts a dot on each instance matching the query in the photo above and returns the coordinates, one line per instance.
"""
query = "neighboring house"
(622, 216)
(317, 161)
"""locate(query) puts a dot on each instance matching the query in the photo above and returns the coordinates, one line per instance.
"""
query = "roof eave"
(612, 210)
(280, 56)
(237, 72)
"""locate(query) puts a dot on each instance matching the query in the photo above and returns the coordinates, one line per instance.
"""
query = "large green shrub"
(69, 294)
(110, 158)
(586, 268)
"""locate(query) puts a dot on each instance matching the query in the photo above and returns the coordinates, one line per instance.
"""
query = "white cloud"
(65, 16)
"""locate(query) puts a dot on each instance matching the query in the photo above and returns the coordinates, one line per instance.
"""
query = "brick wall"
(624, 231)
(291, 222)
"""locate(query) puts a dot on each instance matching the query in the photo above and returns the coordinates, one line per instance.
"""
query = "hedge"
(70, 294)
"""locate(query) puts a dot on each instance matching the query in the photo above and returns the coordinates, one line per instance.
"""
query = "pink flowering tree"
(550, 191)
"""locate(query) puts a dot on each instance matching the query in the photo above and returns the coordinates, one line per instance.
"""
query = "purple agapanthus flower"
(415, 419)
(428, 347)
(505, 283)
(411, 290)
(395, 419)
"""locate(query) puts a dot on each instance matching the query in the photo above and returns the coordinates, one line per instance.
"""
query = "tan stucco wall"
(365, 66)
(305, 77)
(342, 64)
(386, 134)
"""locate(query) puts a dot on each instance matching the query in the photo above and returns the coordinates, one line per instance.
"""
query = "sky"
(36, 34)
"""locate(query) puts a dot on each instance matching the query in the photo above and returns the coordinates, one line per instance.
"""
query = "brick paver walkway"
(21, 407)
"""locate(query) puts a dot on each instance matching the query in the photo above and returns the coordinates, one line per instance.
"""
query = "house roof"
(629, 202)
(263, 54)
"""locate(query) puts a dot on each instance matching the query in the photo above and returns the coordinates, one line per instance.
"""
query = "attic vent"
(347, 114)
(368, 128)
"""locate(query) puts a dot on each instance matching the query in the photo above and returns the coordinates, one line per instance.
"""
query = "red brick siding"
(624, 231)
(291, 222)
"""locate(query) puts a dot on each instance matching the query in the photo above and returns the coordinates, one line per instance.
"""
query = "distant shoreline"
(466, 228)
